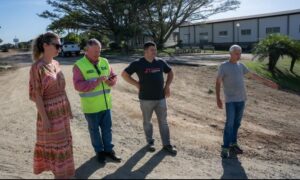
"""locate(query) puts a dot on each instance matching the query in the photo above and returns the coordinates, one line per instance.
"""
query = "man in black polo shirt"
(152, 93)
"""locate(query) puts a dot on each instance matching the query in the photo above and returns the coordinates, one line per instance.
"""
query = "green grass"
(283, 76)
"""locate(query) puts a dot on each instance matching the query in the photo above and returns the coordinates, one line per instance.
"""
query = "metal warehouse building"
(245, 30)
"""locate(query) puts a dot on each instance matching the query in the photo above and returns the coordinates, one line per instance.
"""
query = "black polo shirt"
(150, 76)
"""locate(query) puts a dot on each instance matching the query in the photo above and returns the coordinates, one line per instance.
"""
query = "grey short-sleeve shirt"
(232, 75)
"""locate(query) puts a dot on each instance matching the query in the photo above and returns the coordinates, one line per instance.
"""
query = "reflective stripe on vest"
(93, 94)
(91, 80)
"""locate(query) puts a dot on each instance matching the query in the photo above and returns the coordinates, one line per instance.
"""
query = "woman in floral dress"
(53, 148)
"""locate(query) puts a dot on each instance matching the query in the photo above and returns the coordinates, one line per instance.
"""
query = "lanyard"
(97, 69)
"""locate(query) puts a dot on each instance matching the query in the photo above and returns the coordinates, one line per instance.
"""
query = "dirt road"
(269, 134)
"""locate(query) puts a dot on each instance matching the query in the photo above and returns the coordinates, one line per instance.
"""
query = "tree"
(293, 52)
(6, 47)
(159, 18)
(24, 45)
(1, 41)
(85, 36)
(72, 37)
(56, 28)
(101, 16)
(67, 22)
(275, 46)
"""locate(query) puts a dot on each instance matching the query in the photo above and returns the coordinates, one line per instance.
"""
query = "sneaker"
(112, 155)
(225, 153)
(101, 157)
(235, 148)
(151, 147)
(170, 149)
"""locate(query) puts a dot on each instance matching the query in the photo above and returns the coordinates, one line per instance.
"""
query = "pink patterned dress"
(53, 148)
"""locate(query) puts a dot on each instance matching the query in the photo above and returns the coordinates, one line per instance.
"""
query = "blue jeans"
(103, 141)
(234, 114)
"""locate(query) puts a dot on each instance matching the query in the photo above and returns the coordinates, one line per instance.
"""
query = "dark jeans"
(234, 114)
(103, 141)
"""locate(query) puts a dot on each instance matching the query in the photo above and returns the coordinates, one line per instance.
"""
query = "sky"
(18, 18)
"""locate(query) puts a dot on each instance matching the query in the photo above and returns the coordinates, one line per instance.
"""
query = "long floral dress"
(53, 148)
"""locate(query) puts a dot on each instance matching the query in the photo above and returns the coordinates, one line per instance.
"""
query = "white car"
(69, 48)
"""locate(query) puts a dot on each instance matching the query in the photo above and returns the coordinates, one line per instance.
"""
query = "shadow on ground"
(127, 172)
(233, 169)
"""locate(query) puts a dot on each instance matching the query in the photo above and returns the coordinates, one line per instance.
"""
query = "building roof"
(266, 15)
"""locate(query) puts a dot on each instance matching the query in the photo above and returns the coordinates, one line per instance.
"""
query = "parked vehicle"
(70, 48)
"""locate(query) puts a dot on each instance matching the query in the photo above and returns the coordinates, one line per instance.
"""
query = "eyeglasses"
(57, 46)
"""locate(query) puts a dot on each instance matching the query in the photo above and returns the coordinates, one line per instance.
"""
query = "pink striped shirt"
(82, 85)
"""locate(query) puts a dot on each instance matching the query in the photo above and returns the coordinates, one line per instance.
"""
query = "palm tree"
(294, 53)
(273, 47)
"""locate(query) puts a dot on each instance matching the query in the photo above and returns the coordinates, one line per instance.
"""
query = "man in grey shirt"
(231, 74)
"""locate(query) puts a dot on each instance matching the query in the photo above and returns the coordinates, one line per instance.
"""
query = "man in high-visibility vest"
(93, 78)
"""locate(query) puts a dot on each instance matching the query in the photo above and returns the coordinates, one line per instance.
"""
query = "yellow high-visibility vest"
(98, 99)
